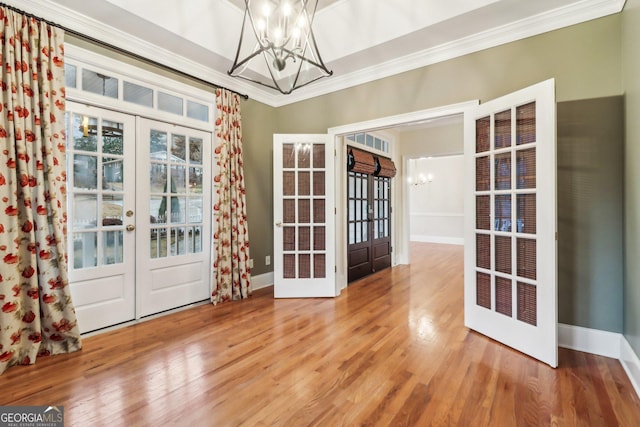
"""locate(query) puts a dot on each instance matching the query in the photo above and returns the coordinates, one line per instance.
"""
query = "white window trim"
(83, 58)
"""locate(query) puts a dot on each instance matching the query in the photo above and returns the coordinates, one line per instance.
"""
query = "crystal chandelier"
(280, 32)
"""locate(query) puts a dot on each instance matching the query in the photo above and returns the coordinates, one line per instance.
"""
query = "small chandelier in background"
(415, 178)
(277, 41)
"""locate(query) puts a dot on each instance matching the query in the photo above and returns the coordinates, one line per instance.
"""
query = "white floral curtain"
(232, 276)
(37, 316)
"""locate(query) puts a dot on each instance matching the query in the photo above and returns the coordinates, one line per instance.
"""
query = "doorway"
(369, 224)
(138, 197)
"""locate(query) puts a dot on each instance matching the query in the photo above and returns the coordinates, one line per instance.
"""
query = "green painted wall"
(584, 59)
(591, 212)
(631, 73)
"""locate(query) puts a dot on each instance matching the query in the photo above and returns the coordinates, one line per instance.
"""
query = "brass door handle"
(131, 227)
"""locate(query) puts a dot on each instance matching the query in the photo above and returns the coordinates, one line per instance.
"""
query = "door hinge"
(335, 211)
(336, 267)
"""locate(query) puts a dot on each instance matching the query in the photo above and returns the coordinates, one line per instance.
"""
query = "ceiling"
(360, 40)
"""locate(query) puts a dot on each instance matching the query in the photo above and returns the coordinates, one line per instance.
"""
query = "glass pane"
(99, 83)
(360, 138)
(195, 180)
(197, 111)
(483, 212)
(502, 129)
(304, 266)
(527, 303)
(112, 174)
(70, 74)
(483, 251)
(526, 123)
(85, 176)
(112, 207)
(289, 238)
(85, 133)
(483, 128)
(85, 250)
(304, 183)
(178, 148)
(304, 155)
(158, 210)
(527, 261)
(178, 179)
(526, 168)
(195, 240)
(178, 210)
(304, 211)
(483, 290)
(319, 266)
(503, 171)
(503, 296)
(158, 242)
(288, 156)
(112, 137)
(304, 238)
(137, 94)
(319, 238)
(352, 210)
(352, 233)
(318, 184)
(169, 103)
(318, 211)
(318, 156)
(527, 213)
(178, 241)
(112, 247)
(288, 183)
(158, 178)
(369, 140)
(483, 174)
(503, 213)
(158, 145)
(195, 210)
(378, 144)
(289, 262)
(352, 186)
(195, 150)
(85, 211)
(289, 211)
(503, 254)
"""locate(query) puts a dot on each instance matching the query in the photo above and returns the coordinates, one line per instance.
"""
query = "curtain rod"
(123, 51)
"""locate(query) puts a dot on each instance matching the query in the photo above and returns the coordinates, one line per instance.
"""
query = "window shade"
(361, 162)
(386, 167)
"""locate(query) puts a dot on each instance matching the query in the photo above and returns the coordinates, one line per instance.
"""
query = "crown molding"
(575, 13)
(558, 18)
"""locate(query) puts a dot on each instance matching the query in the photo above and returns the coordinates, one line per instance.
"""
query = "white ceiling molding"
(542, 23)
(574, 13)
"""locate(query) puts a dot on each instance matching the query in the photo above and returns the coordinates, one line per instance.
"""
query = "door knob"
(131, 227)
(278, 224)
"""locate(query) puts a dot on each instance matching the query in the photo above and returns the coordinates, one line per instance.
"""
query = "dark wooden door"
(369, 224)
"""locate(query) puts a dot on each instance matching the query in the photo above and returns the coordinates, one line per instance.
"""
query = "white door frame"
(399, 241)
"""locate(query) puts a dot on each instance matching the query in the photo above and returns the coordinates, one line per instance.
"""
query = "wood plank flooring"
(390, 351)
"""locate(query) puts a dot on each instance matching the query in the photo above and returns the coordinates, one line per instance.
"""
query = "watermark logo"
(31, 416)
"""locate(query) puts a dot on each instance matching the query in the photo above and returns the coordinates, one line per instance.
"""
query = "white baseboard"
(261, 281)
(437, 239)
(602, 343)
(631, 364)
(592, 341)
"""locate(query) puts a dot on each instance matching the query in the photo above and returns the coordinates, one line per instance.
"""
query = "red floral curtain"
(37, 315)
(231, 233)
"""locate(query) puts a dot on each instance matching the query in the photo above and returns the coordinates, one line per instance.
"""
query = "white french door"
(172, 235)
(510, 226)
(101, 204)
(139, 197)
(304, 248)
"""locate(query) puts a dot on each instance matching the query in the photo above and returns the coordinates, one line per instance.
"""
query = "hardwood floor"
(391, 350)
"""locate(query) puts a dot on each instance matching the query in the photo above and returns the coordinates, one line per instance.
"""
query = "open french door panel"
(510, 226)
(304, 249)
